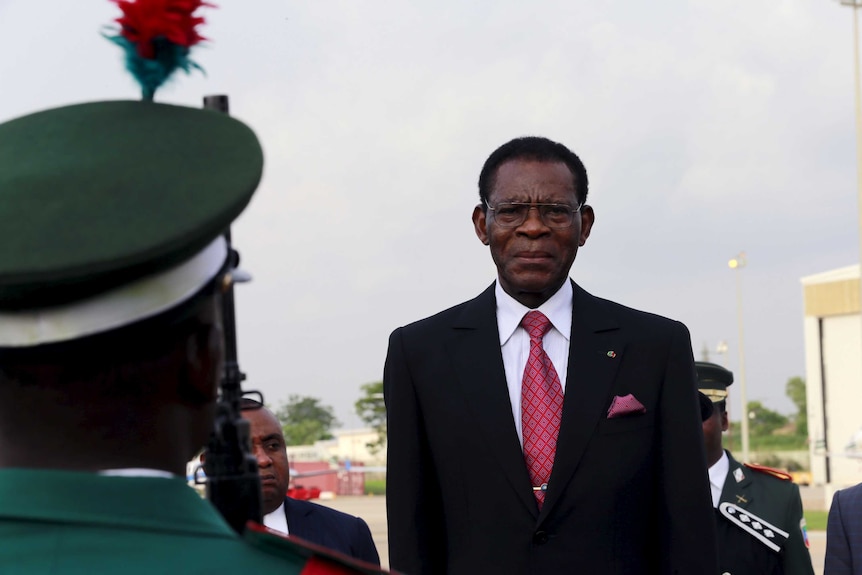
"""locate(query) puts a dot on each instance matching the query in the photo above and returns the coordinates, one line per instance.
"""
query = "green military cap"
(113, 212)
(712, 380)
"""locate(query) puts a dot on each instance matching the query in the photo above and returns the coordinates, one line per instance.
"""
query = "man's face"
(532, 259)
(712, 430)
(267, 444)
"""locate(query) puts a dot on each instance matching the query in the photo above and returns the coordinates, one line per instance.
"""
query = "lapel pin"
(738, 474)
(612, 354)
(741, 499)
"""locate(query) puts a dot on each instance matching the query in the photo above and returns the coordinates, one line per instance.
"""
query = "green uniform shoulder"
(777, 482)
(320, 560)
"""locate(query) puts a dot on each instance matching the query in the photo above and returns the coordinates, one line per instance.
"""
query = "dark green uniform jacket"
(57, 522)
(758, 502)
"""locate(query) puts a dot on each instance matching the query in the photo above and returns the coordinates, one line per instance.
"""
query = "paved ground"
(373, 510)
(818, 550)
(813, 498)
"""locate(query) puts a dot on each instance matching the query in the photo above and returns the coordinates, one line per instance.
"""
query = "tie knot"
(537, 325)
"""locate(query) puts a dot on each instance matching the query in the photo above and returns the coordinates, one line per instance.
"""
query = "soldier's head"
(712, 381)
(111, 280)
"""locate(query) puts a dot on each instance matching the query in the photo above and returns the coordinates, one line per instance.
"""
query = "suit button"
(540, 537)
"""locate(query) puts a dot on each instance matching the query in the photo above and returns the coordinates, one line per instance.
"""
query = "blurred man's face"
(712, 430)
(268, 447)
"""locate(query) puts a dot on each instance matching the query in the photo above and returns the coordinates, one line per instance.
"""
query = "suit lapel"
(478, 362)
(589, 380)
(297, 523)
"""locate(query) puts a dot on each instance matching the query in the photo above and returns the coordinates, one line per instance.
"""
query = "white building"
(347, 445)
(833, 367)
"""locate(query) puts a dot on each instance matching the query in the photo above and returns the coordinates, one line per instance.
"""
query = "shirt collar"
(278, 511)
(558, 309)
(277, 519)
(718, 471)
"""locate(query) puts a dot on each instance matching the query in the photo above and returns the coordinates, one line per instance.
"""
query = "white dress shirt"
(515, 341)
(277, 519)
(717, 475)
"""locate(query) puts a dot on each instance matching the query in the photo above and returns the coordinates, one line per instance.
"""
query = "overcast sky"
(707, 128)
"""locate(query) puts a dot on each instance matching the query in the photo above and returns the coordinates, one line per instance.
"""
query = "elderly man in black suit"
(309, 521)
(537, 429)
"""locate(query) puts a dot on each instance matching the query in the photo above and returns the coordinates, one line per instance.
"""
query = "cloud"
(706, 128)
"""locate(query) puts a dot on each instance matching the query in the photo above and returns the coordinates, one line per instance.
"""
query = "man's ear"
(724, 423)
(480, 224)
(588, 218)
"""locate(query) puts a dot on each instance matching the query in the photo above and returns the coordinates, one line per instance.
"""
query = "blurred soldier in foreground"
(758, 510)
(111, 271)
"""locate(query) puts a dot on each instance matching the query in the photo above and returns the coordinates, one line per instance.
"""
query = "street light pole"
(721, 350)
(737, 264)
(857, 89)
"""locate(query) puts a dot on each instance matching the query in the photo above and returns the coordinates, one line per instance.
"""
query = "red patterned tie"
(541, 406)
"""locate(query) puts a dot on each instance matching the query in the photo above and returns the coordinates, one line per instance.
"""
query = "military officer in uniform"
(758, 510)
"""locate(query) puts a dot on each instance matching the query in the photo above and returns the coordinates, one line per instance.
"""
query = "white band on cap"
(115, 308)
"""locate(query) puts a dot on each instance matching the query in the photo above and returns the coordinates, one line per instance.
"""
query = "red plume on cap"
(157, 36)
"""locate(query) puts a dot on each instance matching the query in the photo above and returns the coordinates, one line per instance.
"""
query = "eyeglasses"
(555, 216)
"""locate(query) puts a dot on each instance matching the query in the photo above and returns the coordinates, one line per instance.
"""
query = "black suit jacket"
(626, 495)
(844, 533)
(331, 529)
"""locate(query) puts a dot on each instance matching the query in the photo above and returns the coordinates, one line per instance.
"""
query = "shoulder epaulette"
(777, 473)
(762, 530)
(319, 560)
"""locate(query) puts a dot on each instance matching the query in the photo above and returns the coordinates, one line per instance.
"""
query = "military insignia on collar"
(741, 499)
(762, 530)
(738, 474)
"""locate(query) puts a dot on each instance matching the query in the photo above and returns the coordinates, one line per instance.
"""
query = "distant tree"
(795, 390)
(304, 420)
(371, 409)
(762, 420)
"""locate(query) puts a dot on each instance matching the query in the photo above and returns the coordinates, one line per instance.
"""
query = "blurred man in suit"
(538, 429)
(314, 523)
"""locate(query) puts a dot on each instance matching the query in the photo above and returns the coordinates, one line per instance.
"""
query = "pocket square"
(625, 405)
